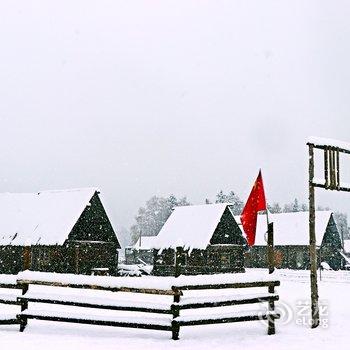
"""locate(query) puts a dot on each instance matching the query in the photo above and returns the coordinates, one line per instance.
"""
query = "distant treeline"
(151, 217)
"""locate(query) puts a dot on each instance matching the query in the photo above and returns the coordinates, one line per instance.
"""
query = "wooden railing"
(8, 282)
(171, 316)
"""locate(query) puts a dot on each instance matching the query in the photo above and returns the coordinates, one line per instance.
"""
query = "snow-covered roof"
(347, 245)
(291, 228)
(41, 218)
(146, 242)
(190, 227)
(320, 141)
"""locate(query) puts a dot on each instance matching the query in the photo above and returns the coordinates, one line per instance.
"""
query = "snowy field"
(293, 331)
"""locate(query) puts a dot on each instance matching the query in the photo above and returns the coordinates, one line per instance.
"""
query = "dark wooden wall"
(286, 257)
(297, 256)
(11, 259)
(77, 257)
(214, 259)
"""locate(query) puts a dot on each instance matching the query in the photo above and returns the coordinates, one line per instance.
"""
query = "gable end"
(227, 231)
(93, 224)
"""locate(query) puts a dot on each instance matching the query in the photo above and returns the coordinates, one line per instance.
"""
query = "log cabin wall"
(214, 259)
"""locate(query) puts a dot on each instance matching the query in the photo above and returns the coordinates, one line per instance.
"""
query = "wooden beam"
(340, 189)
(342, 150)
(229, 285)
(270, 252)
(93, 306)
(312, 243)
(326, 167)
(95, 287)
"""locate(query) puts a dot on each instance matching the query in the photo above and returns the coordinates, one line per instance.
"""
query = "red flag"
(256, 202)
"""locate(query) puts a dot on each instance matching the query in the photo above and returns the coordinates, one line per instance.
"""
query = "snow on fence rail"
(9, 282)
(303, 276)
(169, 319)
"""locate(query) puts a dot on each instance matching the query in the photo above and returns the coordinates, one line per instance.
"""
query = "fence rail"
(168, 319)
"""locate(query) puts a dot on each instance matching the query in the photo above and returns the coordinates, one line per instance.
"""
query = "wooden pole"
(312, 248)
(177, 262)
(337, 170)
(326, 166)
(270, 253)
(270, 247)
(320, 255)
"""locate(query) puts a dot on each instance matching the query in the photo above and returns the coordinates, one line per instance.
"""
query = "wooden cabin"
(291, 241)
(64, 231)
(199, 239)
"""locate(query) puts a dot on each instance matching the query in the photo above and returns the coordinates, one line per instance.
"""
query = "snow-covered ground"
(292, 330)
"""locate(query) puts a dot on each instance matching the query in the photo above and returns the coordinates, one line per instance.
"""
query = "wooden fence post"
(271, 327)
(271, 320)
(175, 309)
(177, 294)
(24, 306)
(175, 330)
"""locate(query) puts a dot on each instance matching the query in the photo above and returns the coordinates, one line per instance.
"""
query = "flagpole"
(270, 254)
(267, 216)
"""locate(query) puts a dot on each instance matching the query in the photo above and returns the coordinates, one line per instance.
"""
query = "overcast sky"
(157, 97)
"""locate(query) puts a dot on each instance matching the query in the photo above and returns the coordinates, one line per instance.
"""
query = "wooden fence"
(8, 282)
(171, 313)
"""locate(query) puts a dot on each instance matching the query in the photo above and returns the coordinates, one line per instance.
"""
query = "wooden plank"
(228, 319)
(228, 285)
(94, 306)
(95, 322)
(174, 290)
(95, 287)
(9, 321)
(229, 302)
(10, 286)
(343, 189)
(343, 150)
(9, 302)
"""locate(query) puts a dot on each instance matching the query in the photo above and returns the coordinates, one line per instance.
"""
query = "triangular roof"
(44, 218)
(292, 228)
(190, 227)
